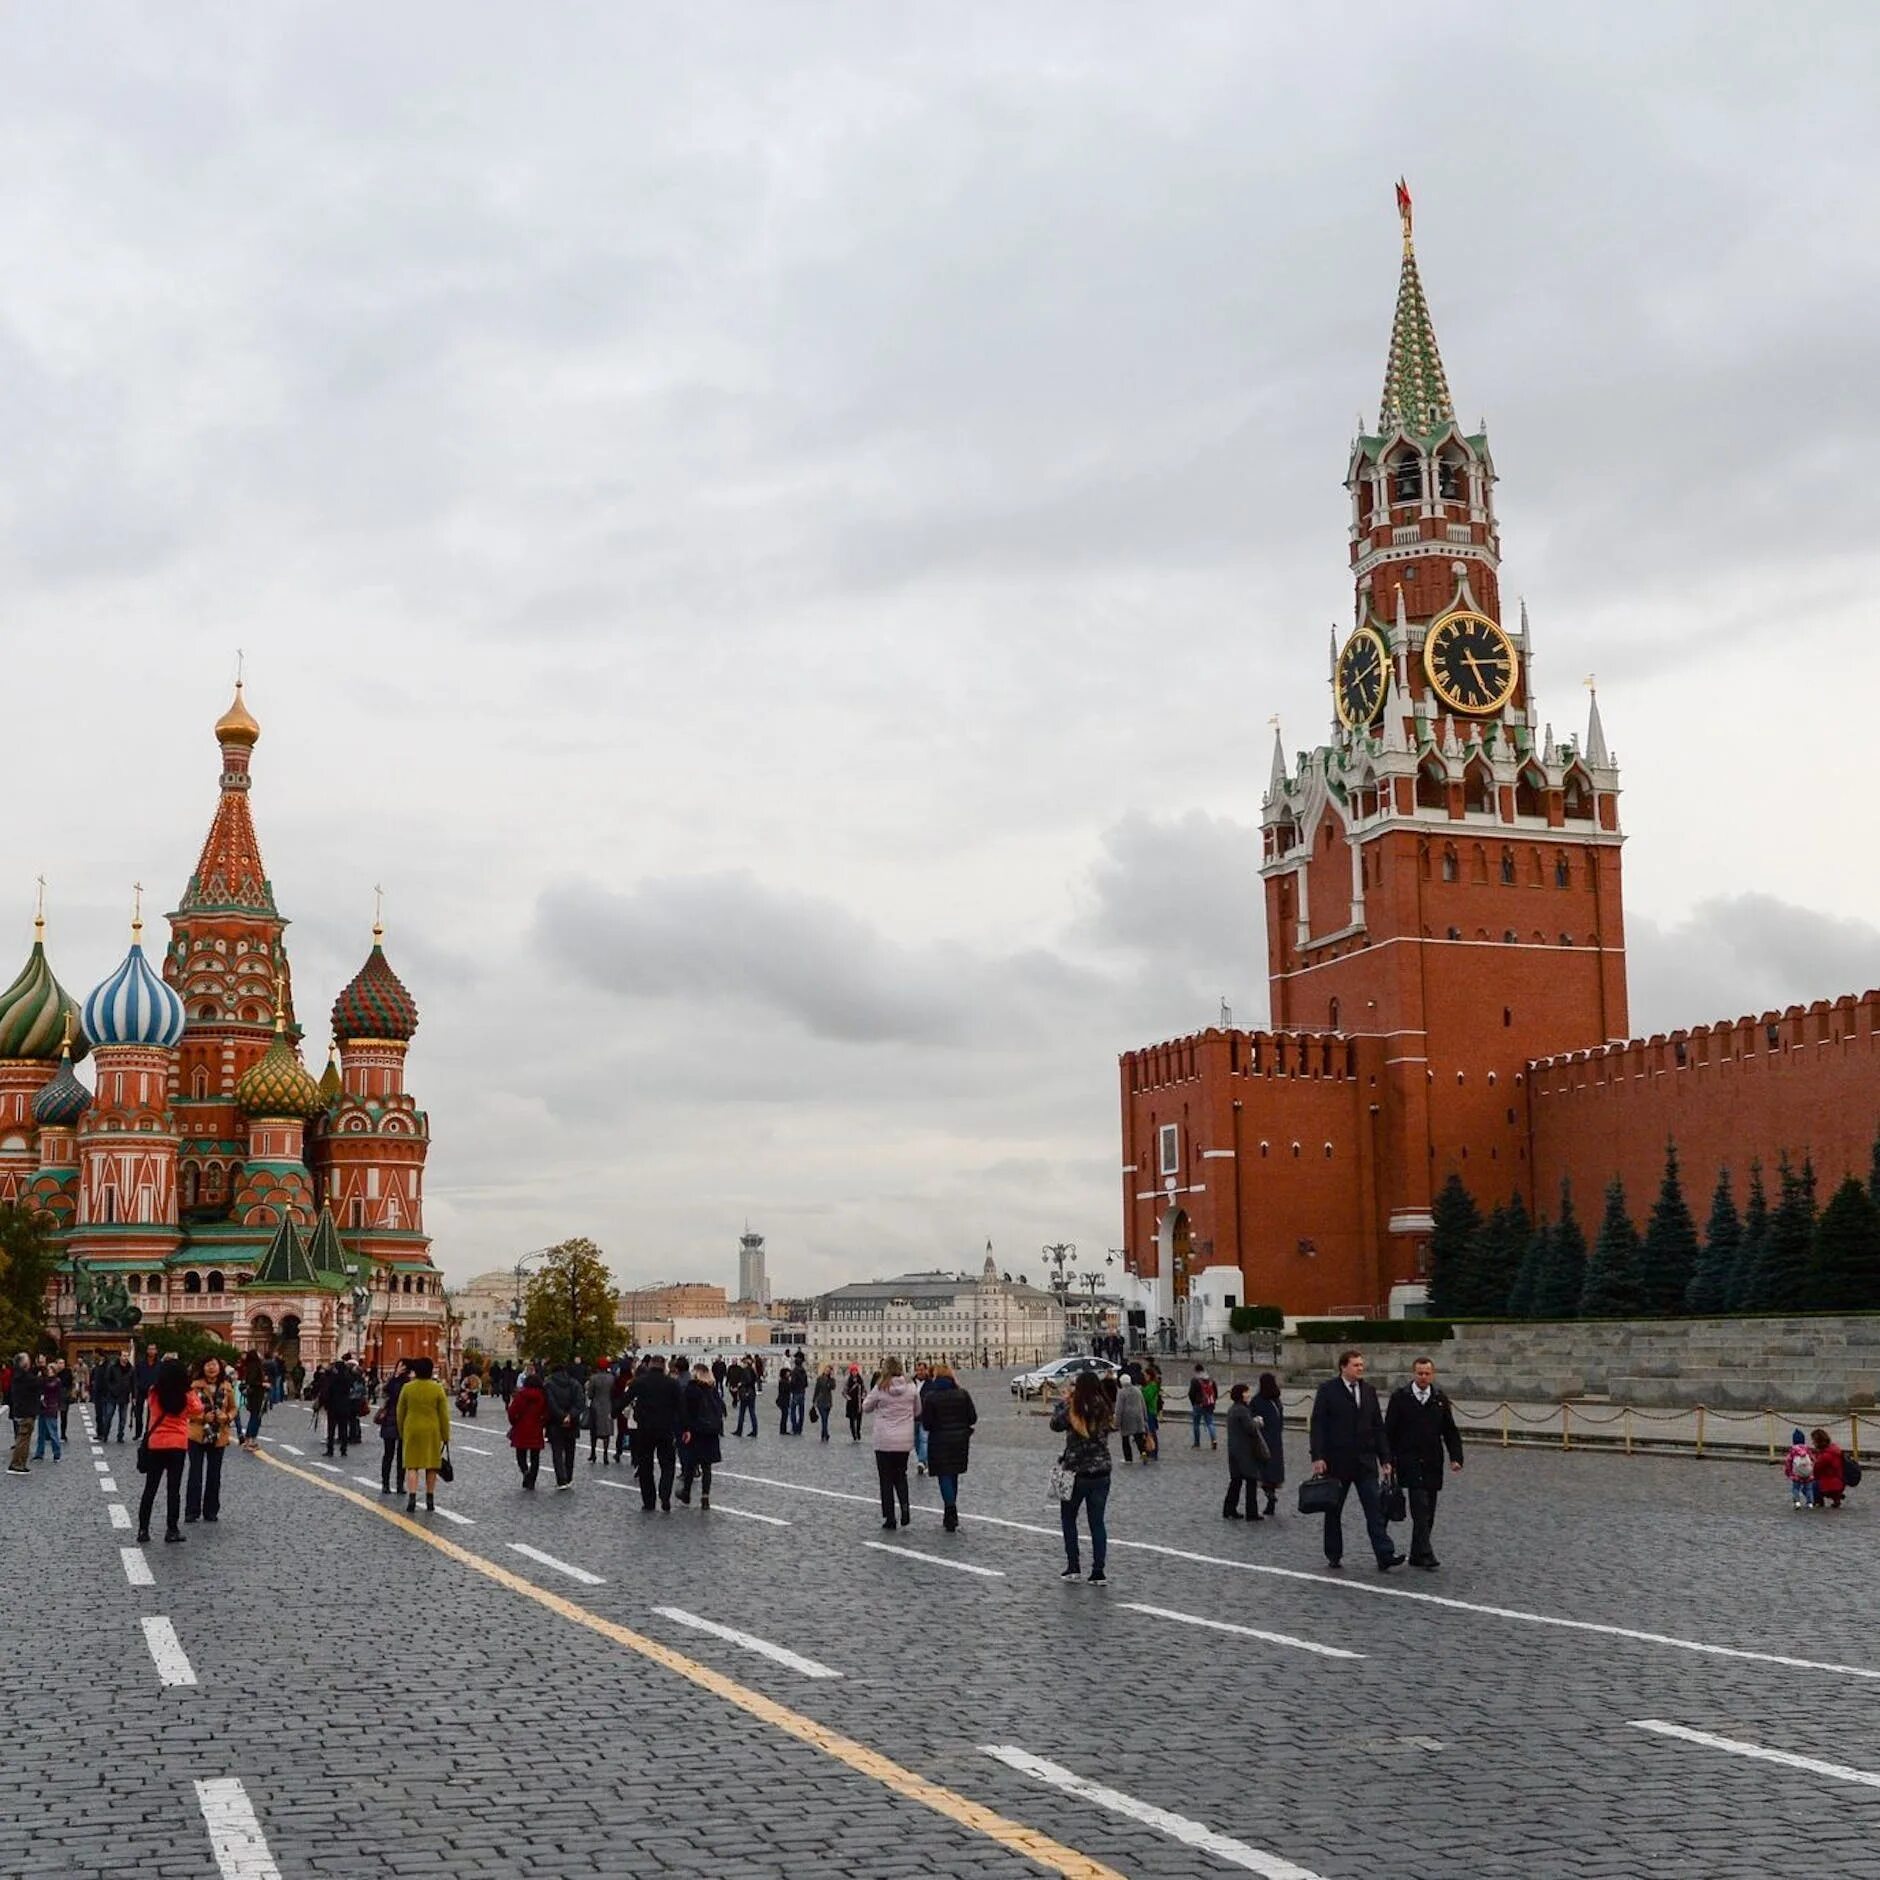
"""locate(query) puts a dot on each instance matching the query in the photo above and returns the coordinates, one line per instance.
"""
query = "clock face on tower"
(1358, 685)
(1470, 662)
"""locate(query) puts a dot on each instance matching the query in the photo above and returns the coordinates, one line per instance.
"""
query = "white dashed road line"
(108, 1484)
(120, 1515)
(451, 1514)
(749, 1642)
(365, 1481)
(938, 1560)
(1840, 1772)
(1240, 1631)
(472, 1448)
(1223, 1847)
(1336, 1583)
(136, 1567)
(330, 1467)
(742, 1514)
(561, 1566)
(103, 1468)
(289, 1447)
(241, 1849)
(166, 1652)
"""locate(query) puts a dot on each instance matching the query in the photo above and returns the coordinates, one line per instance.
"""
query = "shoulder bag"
(445, 1472)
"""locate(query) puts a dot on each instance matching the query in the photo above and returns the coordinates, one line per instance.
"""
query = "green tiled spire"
(1416, 394)
(325, 1249)
(285, 1266)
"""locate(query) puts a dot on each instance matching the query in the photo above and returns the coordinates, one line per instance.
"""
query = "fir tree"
(1755, 1238)
(1483, 1294)
(1612, 1280)
(1844, 1275)
(1562, 1276)
(1780, 1281)
(1456, 1222)
(1709, 1290)
(1526, 1288)
(1668, 1257)
(1500, 1275)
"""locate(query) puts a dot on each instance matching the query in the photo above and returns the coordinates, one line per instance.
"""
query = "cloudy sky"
(776, 532)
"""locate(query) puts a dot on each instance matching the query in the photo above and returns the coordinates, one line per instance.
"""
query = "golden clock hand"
(1475, 666)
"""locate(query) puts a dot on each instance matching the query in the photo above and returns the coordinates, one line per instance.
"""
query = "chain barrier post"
(1504, 1423)
(1769, 1423)
(1566, 1415)
(1700, 1429)
(1628, 1429)
(1853, 1434)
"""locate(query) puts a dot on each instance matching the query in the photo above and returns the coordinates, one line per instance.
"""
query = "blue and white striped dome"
(133, 1006)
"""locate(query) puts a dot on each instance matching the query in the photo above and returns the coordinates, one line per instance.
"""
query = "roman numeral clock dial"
(1358, 687)
(1470, 663)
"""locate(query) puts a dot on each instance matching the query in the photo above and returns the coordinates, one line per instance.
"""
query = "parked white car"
(1059, 1372)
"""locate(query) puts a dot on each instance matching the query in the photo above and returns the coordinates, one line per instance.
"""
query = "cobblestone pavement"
(391, 1707)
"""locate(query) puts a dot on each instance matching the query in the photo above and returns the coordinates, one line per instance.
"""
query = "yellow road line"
(1051, 1855)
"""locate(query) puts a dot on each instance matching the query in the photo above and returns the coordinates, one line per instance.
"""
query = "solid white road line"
(120, 1515)
(939, 1560)
(1336, 1583)
(561, 1566)
(136, 1567)
(241, 1849)
(749, 1641)
(1755, 1751)
(473, 1449)
(106, 1483)
(1240, 1631)
(1222, 1847)
(166, 1652)
(451, 1514)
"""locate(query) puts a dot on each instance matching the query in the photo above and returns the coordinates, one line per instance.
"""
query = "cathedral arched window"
(1507, 867)
(1452, 867)
(215, 1283)
(1563, 872)
(1527, 792)
(192, 1282)
(1432, 786)
(1478, 789)
(199, 1083)
(1577, 799)
(1406, 476)
(1332, 1015)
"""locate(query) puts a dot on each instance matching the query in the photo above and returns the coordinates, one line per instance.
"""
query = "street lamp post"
(361, 1309)
(515, 1305)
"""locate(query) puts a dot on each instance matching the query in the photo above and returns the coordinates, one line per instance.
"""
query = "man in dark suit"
(1349, 1443)
(1420, 1426)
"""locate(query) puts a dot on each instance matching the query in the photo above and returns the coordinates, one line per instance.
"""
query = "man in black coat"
(1349, 1444)
(567, 1407)
(654, 1398)
(1420, 1426)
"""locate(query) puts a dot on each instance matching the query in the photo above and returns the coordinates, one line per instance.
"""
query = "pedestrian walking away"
(51, 1398)
(701, 1429)
(567, 1407)
(423, 1430)
(1421, 1428)
(799, 1393)
(167, 1415)
(600, 1402)
(1246, 1451)
(210, 1428)
(392, 1457)
(823, 1400)
(1201, 1398)
(1271, 1410)
(947, 1416)
(1349, 1443)
(894, 1403)
(1132, 1418)
(528, 1425)
(254, 1396)
(1083, 1419)
(143, 1382)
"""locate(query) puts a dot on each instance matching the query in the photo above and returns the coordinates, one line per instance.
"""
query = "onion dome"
(238, 725)
(64, 1100)
(134, 1006)
(331, 1083)
(279, 1085)
(375, 1005)
(34, 1008)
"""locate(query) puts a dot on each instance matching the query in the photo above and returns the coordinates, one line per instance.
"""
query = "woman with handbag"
(1083, 1418)
(894, 1403)
(1246, 1450)
(423, 1429)
(1271, 1410)
(209, 1431)
(167, 1412)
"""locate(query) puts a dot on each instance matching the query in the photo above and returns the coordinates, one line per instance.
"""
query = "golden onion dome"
(238, 724)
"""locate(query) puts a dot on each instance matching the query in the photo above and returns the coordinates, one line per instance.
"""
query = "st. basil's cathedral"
(206, 1173)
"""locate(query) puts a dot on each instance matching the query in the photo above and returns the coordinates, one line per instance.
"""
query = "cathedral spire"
(229, 874)
(1416, 394)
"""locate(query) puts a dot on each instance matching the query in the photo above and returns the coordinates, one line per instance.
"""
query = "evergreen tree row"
(1789, 1255)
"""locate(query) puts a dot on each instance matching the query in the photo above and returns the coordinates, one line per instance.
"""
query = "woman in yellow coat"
(424, 1429)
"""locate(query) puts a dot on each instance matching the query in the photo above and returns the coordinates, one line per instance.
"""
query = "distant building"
(753, 1281)
(721, 1332)
(483, 1306)
(980, 1321)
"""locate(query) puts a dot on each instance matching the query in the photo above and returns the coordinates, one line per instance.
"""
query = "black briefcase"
(1396, 1503)
(1319, 1494)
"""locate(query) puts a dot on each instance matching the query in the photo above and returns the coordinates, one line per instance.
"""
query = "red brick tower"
(1443, 876)
(225, 956)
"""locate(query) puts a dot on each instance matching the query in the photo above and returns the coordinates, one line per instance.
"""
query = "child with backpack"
(1799, 1467)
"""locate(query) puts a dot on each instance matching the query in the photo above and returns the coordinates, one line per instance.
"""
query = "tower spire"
(1596, 753)
(1416, 394)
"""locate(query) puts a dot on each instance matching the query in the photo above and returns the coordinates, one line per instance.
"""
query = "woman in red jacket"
(528, 1426)
(1830, 1470)
(167, 1412)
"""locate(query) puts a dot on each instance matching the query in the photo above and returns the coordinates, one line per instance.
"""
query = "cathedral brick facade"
(1445, 950)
